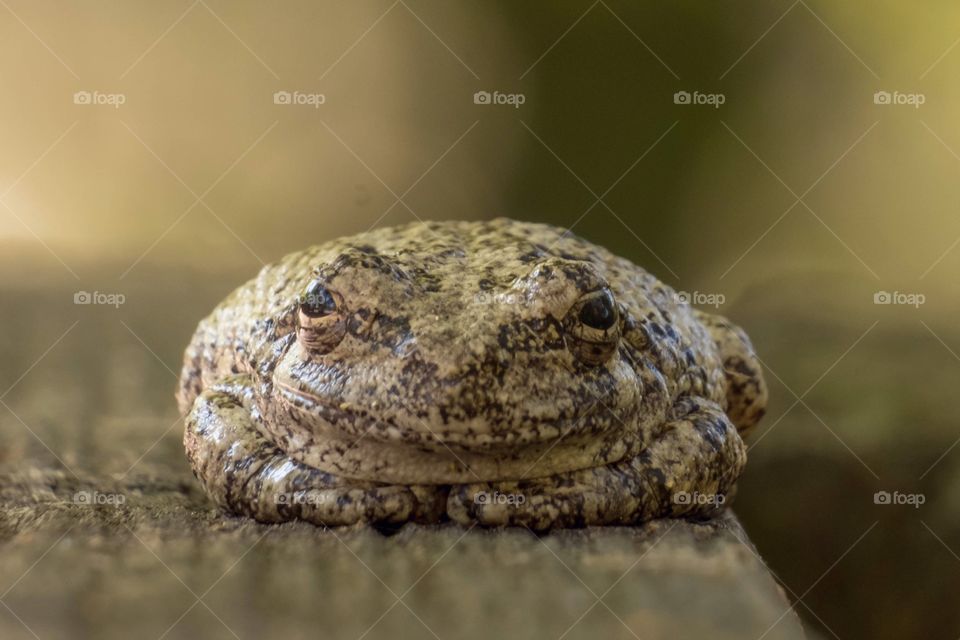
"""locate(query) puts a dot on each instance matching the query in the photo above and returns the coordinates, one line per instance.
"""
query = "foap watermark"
(501, 297)
(298, 98)
(496, 97)
(509, 499)
(97, 98)
(698, 98)
(898, 98)
(898, 297)
(99, 297)
(314, 498)
(98, 498)
(896, 498)
(714, 300)
(688, 498)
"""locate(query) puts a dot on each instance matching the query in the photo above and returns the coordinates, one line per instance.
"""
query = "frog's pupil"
(317, 302)
(598, 313)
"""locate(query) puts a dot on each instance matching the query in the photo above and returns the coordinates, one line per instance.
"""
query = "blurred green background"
(793, 204)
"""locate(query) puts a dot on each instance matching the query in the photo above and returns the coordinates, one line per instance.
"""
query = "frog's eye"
(321, 323)
(592, 327)
(598, 310)
(317, 301)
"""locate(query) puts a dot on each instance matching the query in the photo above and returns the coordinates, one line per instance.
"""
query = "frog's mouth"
(356, 443)
(328, 416)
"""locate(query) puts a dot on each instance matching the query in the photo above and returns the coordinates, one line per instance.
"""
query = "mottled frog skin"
(497, 372)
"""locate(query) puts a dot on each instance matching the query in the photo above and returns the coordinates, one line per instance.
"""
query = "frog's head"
(483, 348)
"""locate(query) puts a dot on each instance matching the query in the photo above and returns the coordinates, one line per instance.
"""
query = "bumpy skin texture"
(497, 372)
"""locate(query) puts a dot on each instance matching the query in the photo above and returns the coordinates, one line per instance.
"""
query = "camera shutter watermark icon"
(898, 98)
(497, 98)
(697, 98)
(97, 98)
(298, 98)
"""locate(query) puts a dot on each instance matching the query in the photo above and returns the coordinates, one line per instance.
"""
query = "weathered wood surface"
(72, 569)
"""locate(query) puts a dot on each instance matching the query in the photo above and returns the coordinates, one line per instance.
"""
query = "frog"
(485, 372)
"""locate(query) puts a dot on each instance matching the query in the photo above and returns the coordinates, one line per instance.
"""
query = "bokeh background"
(173, 175)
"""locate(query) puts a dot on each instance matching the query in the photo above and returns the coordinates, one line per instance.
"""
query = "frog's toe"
(247, 474)
(345, 505)
(538, 505)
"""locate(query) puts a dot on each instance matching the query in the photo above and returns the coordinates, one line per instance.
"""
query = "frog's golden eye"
(592, 327)
(321, 323)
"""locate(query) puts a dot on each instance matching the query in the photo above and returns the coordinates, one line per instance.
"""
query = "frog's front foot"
(247, 474)
(688, 471)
